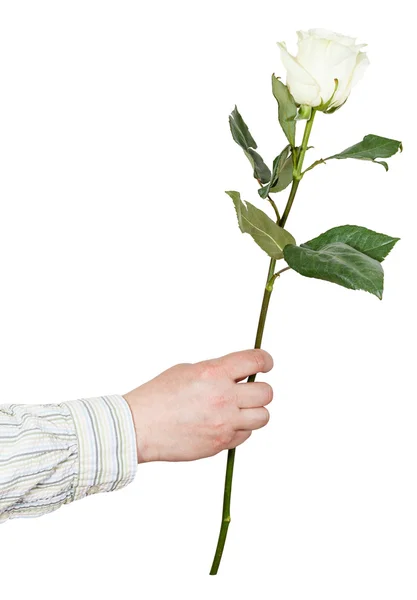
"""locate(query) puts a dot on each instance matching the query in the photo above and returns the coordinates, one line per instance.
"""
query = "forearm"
(53, 454)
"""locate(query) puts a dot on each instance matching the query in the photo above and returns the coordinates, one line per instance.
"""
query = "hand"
(196, 410)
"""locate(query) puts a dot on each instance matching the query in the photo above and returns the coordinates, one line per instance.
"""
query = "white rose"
(322, 58)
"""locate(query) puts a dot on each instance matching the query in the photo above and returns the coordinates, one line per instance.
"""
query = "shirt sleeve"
(53, 454)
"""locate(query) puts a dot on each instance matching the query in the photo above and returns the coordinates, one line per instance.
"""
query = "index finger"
(239, 365)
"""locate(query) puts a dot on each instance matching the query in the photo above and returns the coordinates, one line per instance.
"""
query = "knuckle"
(182, 366)
(208, 370)
(219, 443)
(219, 402)
(179, 368)
(218, 424)
(222, 437)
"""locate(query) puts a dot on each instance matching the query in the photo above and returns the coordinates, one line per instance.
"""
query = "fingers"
(252, 418)
(239, 365)
(239, 438)
(254, 395)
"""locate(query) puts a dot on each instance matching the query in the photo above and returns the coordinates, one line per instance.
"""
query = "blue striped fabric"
(52, 454)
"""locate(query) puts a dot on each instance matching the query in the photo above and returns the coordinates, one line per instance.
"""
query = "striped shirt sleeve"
(53, 454)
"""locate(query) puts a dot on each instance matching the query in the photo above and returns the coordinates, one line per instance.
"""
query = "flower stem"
(231, 453)
(321, 161)
(271, 202)
(304, 144)
(294, 188)
(270, 284)
(298, 163)
(274, 206)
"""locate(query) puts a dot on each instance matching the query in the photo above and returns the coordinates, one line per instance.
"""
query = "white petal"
(362, 62)
(327, 61)
(326, 34)
(301, 84)
(303, 35)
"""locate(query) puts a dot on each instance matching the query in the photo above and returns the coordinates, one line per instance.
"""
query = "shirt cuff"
(107, 454)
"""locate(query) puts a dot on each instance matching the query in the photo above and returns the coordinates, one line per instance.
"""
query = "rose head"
(325, 69)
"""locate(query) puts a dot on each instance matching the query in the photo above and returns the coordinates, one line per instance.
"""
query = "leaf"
(244, 139)
(287, 109)
(285, 176)
(373, 244)
(348, 255)
(240, 131)
(371, 148)
(281, 177)
(338, 263)
(260, 171)
(266, 233)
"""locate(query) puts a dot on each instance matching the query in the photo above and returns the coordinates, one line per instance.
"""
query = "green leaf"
(244, 139)
(338, 263)
(281, 177)
(348, 255)
(240, 131)
(285, 176)
(373, 244)
(287, 108)
(371, 148)
(266, 233)
(260, 171)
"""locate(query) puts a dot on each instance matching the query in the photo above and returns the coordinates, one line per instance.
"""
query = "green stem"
(304, 144)
(298, 163)
(274, 206)
(231, 453)
(226, 511)
(270, 284)
(321, 161)
(272, 203)
(294, 188)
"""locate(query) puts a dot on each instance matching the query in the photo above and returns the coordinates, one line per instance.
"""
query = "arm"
(53, 454)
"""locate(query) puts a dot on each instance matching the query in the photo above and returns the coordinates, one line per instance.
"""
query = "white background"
(120, 256)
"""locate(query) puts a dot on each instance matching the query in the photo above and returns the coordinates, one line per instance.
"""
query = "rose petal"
(326, 61)
(362, 63)
(301, 84)
(330, 35)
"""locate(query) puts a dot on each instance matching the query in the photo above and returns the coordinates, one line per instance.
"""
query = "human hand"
(193, 411)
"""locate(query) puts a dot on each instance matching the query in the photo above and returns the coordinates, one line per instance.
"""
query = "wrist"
(143, 446)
